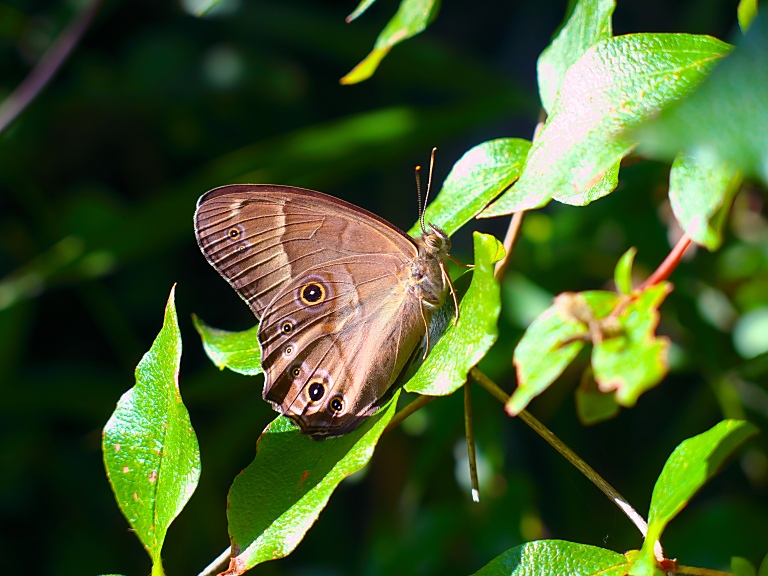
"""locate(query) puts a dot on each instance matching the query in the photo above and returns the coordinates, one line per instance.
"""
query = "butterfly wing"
(331, 284)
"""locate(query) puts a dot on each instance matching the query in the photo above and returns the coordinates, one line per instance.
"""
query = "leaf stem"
(565, 451)
(407, 410)
(216, 566)
(668, 265)
(48, 65)
(471, 453)
(510, 239)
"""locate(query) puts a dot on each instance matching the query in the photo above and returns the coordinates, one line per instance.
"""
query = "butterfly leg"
(426, 329)
(447, 278)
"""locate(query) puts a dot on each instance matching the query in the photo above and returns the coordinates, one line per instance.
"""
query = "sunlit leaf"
(622, 275)
(238, 351)
(552, 341)
(746, 12)
(616, 85)
(688, 468)
(635, 359)
(411, 18)
(362, 7)
(279, 496)
(592, 405)
(483, 173)
(726, 119)
(465, 344)
(700, 193)
(589, 23)
(150, 449)
(554, 557)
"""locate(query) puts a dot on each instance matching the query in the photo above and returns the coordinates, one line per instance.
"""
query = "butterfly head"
(435, 242)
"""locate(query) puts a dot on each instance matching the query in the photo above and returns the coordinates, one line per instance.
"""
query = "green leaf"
(742, 567)
(362, 7)
(592, 405)
(604, 186)
(278, 497)
(635, 359)
(589, 23)
(763, 570)
(238, 351)
(202, 7)
(411, 18)
(622, 275)
(746, 12)
(150, 449)
(688, 468)
(616, 85)
(463, 345)
(552, 341)
(483, 173)
(700, 193)
(726, 119)
(554, 557)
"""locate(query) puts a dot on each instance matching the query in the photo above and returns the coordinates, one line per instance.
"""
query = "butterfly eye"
(286, 328)
(316, 391)
(336, 405)
(296, 371)
(312, 293)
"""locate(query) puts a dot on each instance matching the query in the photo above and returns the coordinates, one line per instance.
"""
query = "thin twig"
(510, 240)
(51, 61)
(407, 410)
(471, 453)
(216, 566)
(569, 455)
(668, 266)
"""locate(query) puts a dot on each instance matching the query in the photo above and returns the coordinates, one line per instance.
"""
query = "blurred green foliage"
(98, 182)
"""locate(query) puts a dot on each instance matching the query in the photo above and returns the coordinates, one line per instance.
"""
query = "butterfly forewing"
(333, 285)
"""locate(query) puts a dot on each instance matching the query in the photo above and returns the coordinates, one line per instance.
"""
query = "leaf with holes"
(553, 340)
(634, 359)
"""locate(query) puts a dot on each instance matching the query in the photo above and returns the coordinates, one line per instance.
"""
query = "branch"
(48, 65)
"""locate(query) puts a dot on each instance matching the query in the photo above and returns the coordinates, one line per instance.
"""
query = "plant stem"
(407, 410)
(471, 453)
(668, 265)
(510, 240)
(565, 451)
(51, 61)
(216, 566)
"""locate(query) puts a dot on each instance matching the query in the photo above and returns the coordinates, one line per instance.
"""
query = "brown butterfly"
(344, 298)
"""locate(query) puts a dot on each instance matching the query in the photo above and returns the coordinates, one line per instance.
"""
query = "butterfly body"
(343, 297)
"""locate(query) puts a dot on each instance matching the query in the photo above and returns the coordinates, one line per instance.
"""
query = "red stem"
(668, 266)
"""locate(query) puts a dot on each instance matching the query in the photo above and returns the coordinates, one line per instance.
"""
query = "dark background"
(98, 183)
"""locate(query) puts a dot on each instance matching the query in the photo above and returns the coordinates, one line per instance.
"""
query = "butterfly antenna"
(423, 206)
(417, 171)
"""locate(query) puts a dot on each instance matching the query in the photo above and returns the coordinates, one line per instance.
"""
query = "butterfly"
(343, 297)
